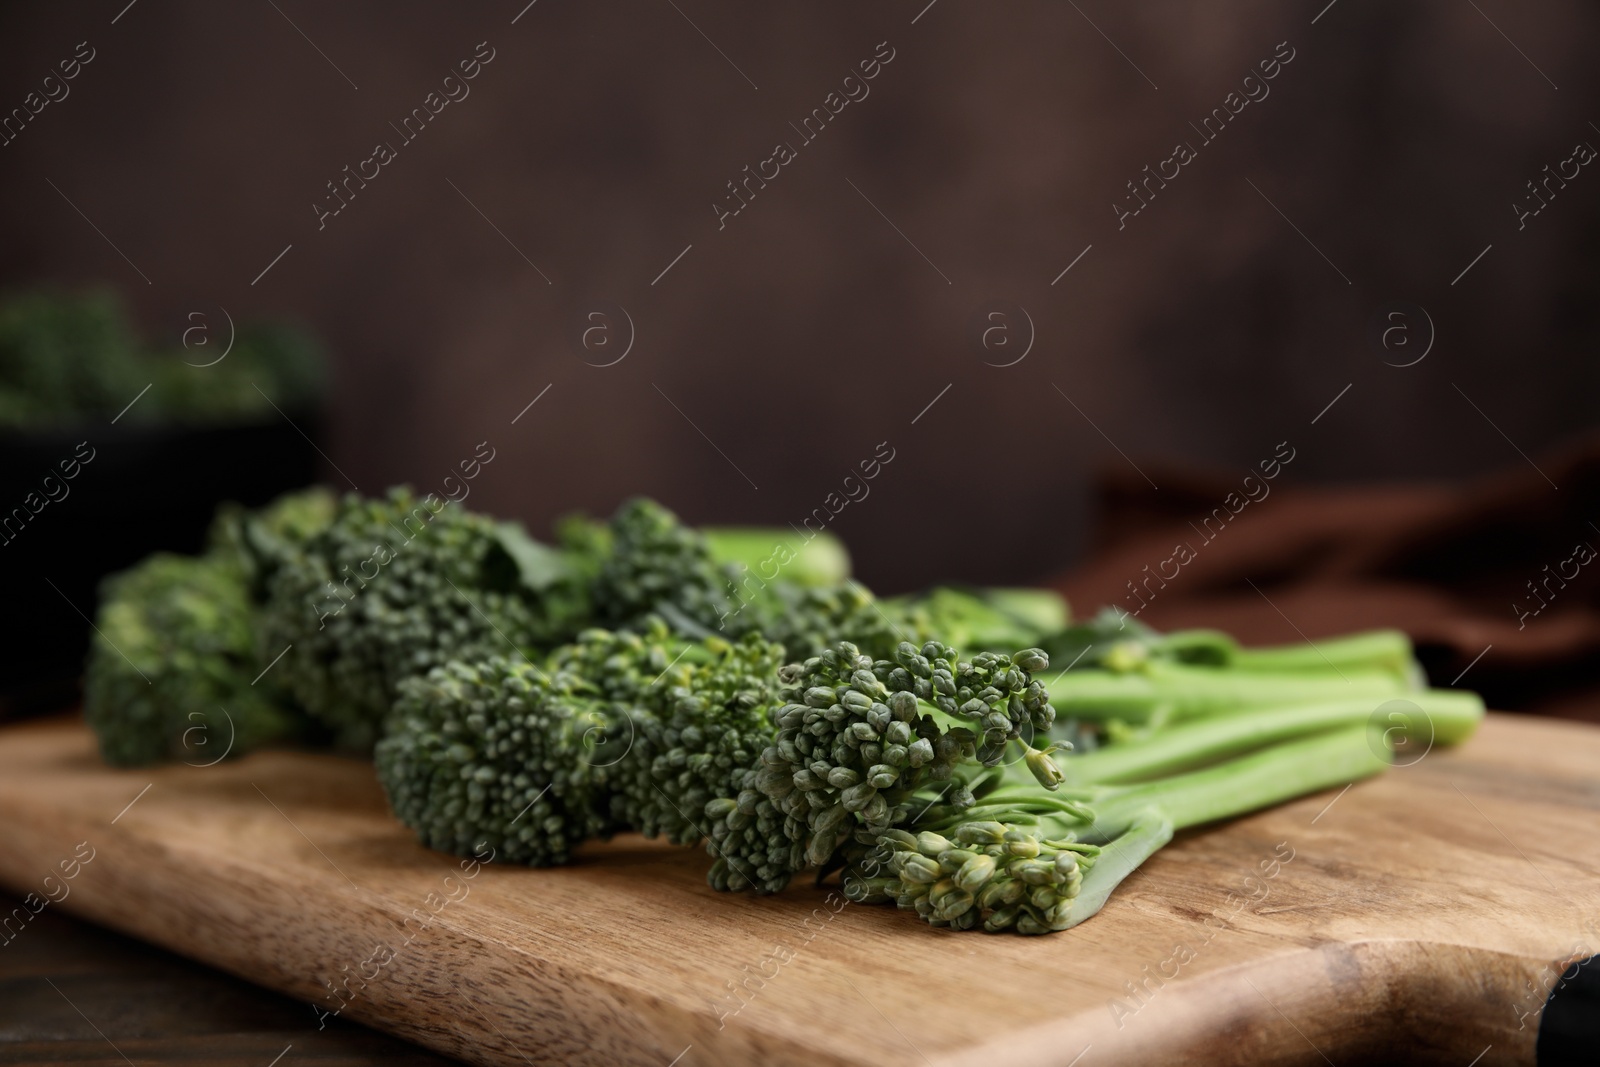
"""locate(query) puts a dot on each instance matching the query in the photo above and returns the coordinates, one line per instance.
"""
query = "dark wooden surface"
(74, 993)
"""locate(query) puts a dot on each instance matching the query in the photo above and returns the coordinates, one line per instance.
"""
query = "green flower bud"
(1021, 843)
(865, 681)
(980, 833)
(1027, 924)
(818, 697)
(1059, 915)
(1043, 896)
(1034, 872)
(857, 796)
(903, 705)
(870, 890)
(911, 892)
(953, 905)
(952, 859)
(879, 717)
(975, 873)
(1045, 770)
(882, 776)
(820, 849)
(916, 868)
(898, 839)
(828, 820)
(1032, 660)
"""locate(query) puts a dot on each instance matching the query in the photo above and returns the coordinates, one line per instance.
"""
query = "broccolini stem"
(1261, 779)
(769, 553)
(1388, 650)
(1148, 831)
(1443, 716)
(1159, 689)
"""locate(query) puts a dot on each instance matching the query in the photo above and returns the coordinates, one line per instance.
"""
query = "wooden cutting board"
(1413, 916)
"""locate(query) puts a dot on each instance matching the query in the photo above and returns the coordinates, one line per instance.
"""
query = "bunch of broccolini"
(726, 686)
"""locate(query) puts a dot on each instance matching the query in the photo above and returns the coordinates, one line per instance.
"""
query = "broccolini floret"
(493, 753)
(658, 566)
(170, 671)
(711, 583)
(684, 726)
(805, 621)
(262, 540)
(390, 589)
(863, 736)
(623, 730)
(703, 731)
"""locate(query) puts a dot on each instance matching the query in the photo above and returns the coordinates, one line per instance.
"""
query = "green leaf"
(517, 559)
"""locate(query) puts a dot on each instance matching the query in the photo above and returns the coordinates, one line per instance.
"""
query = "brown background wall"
(809, 330)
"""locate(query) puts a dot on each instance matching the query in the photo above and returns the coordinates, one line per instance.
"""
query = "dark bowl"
(143, 489)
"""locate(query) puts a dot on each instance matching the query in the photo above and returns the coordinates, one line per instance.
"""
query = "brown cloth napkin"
(1496, 581)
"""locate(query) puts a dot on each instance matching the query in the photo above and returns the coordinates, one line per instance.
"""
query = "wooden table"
(74, 993)
(1412, 918)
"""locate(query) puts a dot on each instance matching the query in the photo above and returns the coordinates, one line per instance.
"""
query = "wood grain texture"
(1415, 922)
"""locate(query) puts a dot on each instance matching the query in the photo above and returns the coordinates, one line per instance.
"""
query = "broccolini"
(392, 588)
(860, 737)
(170, 671)
(703, 685)
(492, 753)
(1035, 861)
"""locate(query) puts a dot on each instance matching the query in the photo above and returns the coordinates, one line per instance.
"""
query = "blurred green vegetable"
(67, 357)
(171, 667)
